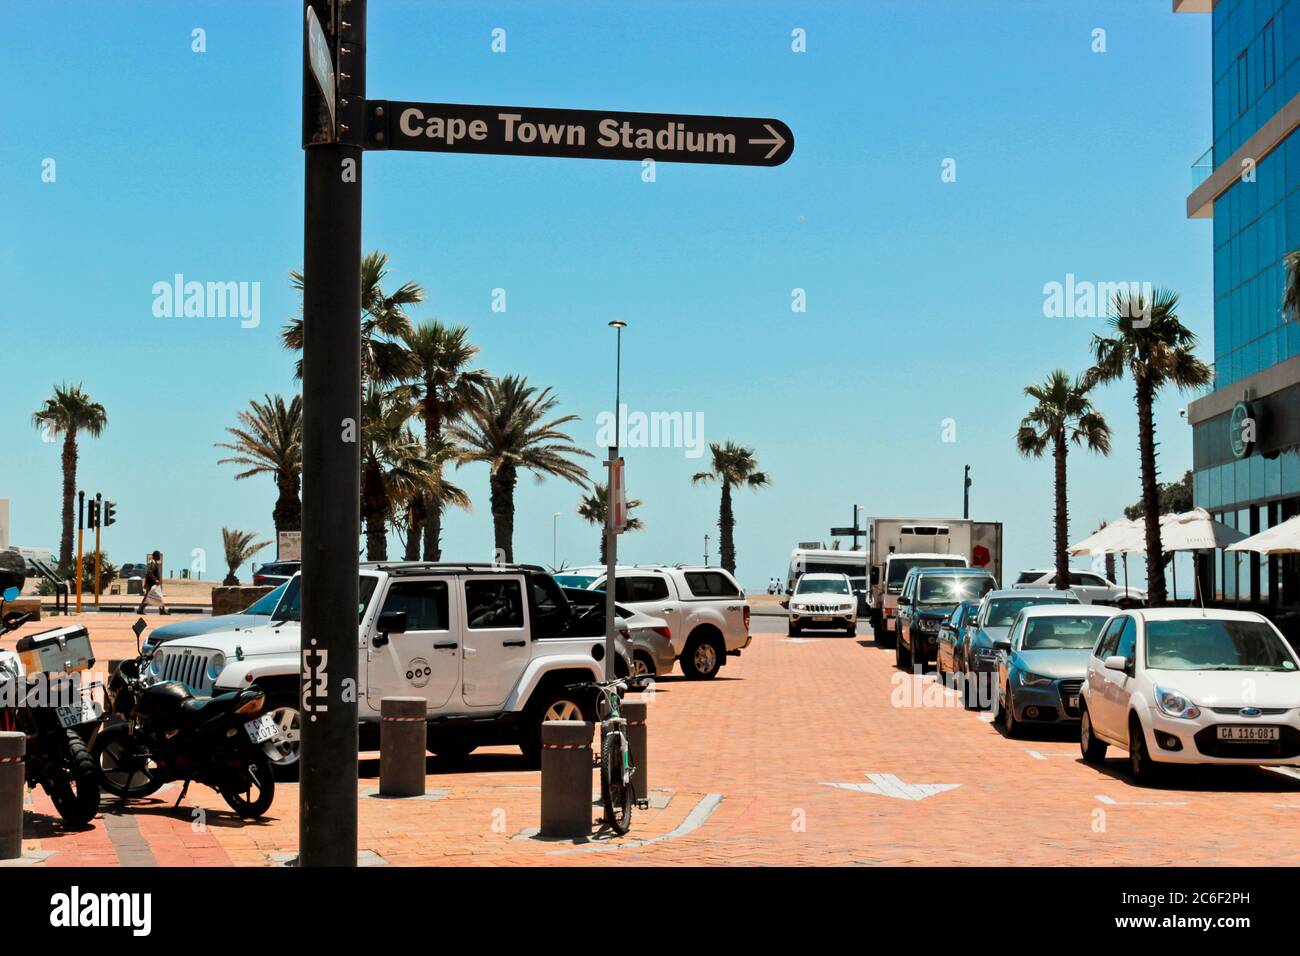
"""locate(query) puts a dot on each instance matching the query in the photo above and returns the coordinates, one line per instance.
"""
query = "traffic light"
(110, 513)
(92, 516)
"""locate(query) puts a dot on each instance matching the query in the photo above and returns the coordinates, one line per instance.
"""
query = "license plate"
(1072, 701)
(821, 617)
(84, 713)
(261, 730)
(1248, 734)
(889, 624)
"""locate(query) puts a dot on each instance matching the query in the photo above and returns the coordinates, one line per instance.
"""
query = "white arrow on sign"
(777, 141)
(887, 785)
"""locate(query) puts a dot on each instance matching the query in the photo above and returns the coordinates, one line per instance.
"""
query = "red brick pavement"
(781, 723)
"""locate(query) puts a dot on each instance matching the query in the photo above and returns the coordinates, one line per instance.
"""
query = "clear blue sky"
(924, 298)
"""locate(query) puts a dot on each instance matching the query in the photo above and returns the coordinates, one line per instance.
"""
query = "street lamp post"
(611, 529)
(555, 532)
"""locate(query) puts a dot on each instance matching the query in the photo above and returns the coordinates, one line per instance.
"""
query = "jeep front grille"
(190, 669)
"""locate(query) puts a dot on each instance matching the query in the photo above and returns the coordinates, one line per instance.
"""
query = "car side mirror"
(391, 622)
(904, 600)
(1116, 662)
(1002, 645)
(789, 591)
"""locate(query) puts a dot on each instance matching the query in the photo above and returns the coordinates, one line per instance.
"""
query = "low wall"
(233, 600)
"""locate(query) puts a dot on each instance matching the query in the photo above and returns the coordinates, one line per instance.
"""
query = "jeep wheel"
(555, 703)
(284, 748)
(701, 659)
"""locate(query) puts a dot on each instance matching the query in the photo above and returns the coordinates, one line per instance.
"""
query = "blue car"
(1042, 672)
(952, 638)
(259, 612)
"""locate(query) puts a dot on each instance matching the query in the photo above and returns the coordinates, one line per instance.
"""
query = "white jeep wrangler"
(491, 648)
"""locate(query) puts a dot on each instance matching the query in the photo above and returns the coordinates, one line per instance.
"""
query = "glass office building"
(1246, 438)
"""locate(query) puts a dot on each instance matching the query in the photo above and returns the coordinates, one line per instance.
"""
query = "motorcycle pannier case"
(59, 651)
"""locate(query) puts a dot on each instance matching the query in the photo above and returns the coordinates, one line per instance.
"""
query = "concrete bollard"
(403, 738)
(13, 750)
(635, 711)
(566, 778)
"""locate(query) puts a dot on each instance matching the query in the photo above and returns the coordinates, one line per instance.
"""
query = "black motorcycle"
(160, 732)
(42, 696)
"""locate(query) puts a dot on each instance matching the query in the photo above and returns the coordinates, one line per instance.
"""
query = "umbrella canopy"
(1118, 536)
(1194, 530)
(1282, 538)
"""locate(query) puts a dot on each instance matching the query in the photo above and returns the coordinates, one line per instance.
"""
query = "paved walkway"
(806, 751)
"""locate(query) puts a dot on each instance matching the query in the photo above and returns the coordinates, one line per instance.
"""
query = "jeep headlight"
(216, 664)
(1174, 704)
(1033, 680)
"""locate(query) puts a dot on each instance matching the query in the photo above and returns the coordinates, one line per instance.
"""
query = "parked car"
(1040, 676)
(926, 601)
(1088, 586)
(823, 601)
(487, 646)
(578, 577)
(705, 610)
(650, 642)
(1191, 686)
(276, 572)
(259, 612)
(989, 636)
(949, 650)
(130, 570)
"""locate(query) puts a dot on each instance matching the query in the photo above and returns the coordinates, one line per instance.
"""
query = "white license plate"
(1248, 734)
(261, 730)
(1072, 701)
(85, 712)
(889, 623)
(821, 617)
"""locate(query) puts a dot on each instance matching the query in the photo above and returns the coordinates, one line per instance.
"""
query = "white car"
(1088, 587)
(1191, 686)
(823, 600)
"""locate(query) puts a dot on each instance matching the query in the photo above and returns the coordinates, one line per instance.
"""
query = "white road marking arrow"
(887, 785)
(1112, 802)
(777, 140)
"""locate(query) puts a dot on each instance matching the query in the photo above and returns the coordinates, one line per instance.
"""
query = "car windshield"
(1004, 610)
(823, 586)
(290, 606)
(267, 602)
(1207, 644)
(951, 589)
(1061, 632)
(898, 567)
(574, 580)
(1027, 577)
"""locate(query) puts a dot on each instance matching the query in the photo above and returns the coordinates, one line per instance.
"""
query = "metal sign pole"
(331, 386)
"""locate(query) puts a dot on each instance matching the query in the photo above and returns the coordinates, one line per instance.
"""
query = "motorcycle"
(42, 696)
(160, 732)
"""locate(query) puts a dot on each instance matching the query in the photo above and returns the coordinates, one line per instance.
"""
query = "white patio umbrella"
(1195, 530)
(1118, 537)
(1282, 538)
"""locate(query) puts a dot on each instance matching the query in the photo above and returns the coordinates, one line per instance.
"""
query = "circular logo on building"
(418, 672)
(1241, 430)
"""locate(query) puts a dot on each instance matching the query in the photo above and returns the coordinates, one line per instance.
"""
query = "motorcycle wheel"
(74, 789)
(121, 771)
(251, 789)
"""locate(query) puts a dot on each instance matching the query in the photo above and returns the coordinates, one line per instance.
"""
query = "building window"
(1243, 84)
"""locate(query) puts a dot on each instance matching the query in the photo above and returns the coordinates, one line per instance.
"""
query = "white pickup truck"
(706, 610)
(491, 648)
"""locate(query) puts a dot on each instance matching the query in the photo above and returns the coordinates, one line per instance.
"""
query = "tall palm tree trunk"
(374, 506)
(432, 509)
(69, 493)
(1059, 452)
(604, 545)
(287, 514)
(502, 485)
(726, 522)
(412, 552)
(1156, 594)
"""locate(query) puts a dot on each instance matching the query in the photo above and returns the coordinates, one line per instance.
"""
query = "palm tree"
(439, 489)
(448, 386)
(1062, 413)
(268, 441)
(69, 411)
(1291, 291)
(384, 324)
(508, 430)
(733, 466)
(393, 465)
(1156, 351)
(594, 508)
(239, 547)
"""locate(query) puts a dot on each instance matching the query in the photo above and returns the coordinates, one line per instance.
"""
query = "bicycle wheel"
(616, 795)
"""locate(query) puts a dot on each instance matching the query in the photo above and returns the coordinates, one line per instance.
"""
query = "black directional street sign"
(580, 134)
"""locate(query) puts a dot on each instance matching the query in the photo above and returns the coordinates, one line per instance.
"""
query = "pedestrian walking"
(153, 591)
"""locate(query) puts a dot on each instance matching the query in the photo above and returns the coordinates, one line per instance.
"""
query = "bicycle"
(615, 762)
